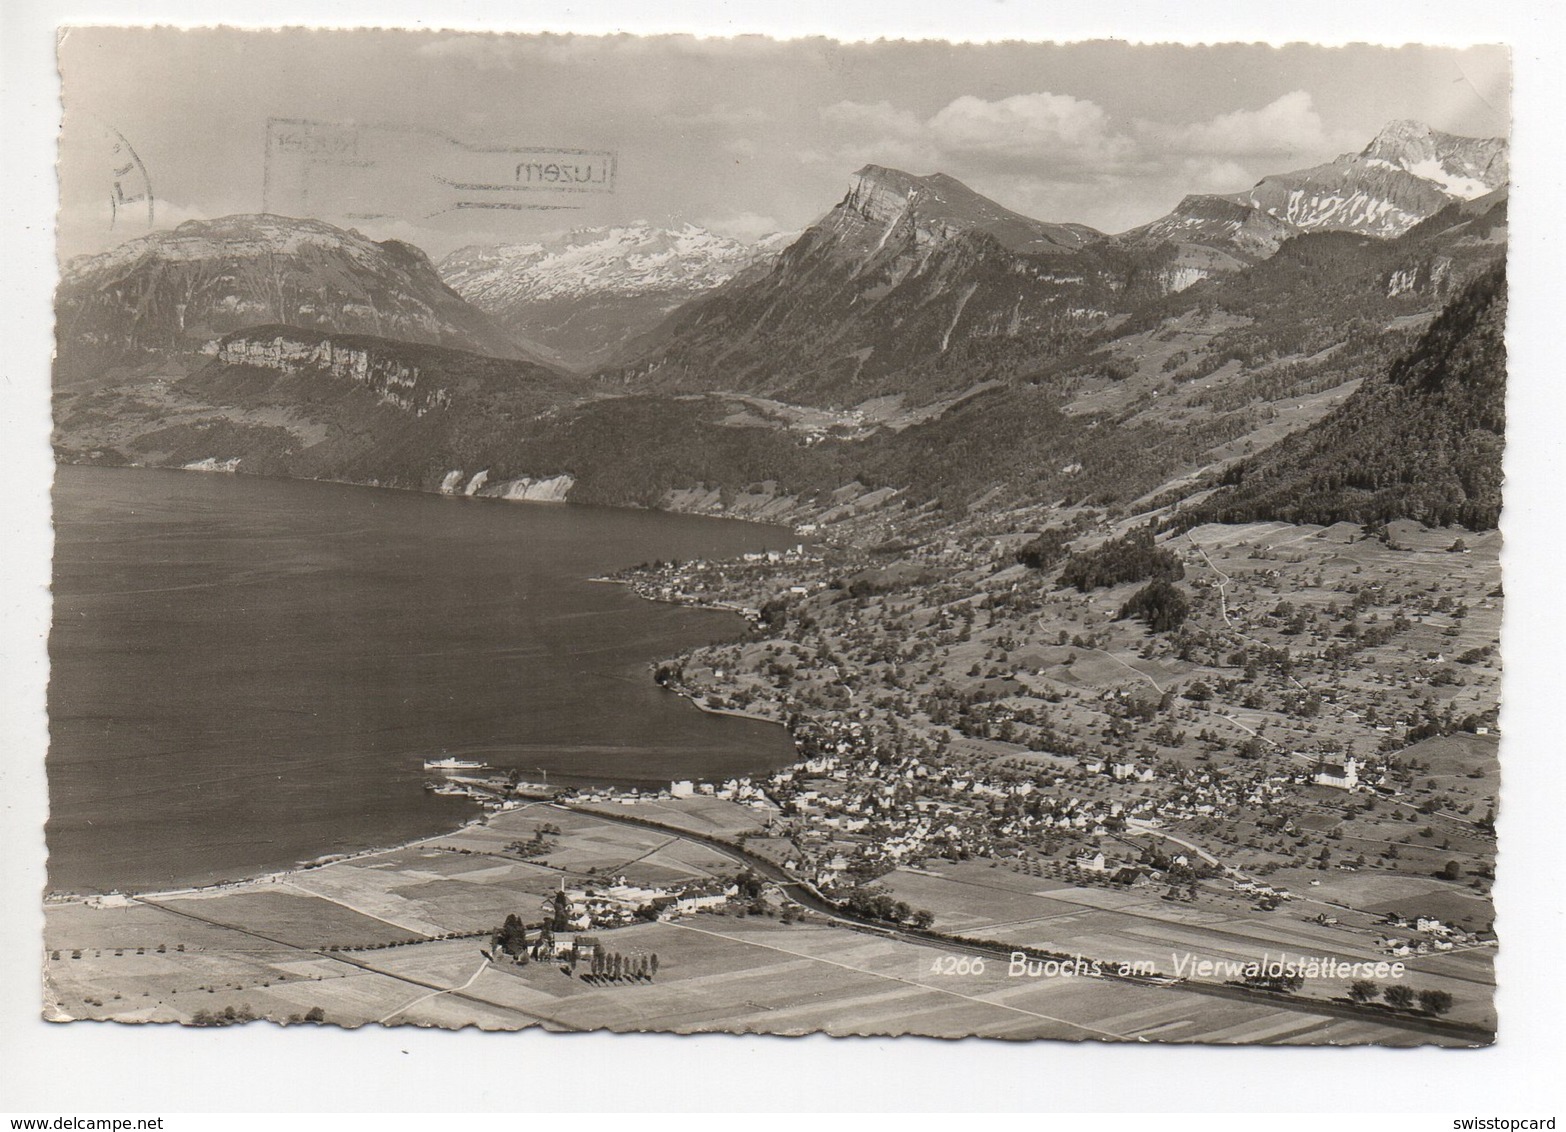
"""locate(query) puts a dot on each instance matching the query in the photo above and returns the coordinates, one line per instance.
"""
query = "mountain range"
(909, 287)
(1406, 174)
(586, 294)
(919, 347)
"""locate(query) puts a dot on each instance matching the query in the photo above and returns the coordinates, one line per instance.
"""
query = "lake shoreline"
(221, 877)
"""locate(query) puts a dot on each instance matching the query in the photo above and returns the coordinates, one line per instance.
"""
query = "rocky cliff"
(392, 380)
(280, 400)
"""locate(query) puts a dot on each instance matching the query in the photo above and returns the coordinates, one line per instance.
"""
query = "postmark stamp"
(363, 171)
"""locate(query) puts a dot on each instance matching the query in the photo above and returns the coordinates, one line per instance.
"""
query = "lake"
(247, 673)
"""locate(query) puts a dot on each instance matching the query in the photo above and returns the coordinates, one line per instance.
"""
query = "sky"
(745, 136)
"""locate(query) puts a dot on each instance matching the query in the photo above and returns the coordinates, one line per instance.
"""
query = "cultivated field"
(366, 941)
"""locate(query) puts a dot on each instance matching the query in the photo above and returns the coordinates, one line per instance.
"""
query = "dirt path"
(484, 966)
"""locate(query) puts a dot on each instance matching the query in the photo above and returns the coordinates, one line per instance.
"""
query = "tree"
(1452, 871)
(315, 1014)
(1162, 605)
(1434, 1001)
(653, 963)
(1132, 558)
(923, 919)
(512, 936)
(1363, 990)
(1398, 997)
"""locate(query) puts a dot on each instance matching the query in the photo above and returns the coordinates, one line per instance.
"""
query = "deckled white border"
(97, 1068)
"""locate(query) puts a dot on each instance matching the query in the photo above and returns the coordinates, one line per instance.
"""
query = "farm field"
(337, 943)
(1137, 926)
(717, 974)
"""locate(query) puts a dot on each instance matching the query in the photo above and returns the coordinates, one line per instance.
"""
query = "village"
(1323, 723)
(987, 763)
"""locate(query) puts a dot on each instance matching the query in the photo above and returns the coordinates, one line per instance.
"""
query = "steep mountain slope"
(173, 291)
(585, 294)
(1203, 220)
(281, 400)
(1421, 442)
(1326, 288)
(1406, 174)
(910, 286)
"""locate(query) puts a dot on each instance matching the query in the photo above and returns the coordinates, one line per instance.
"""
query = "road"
(806, 895)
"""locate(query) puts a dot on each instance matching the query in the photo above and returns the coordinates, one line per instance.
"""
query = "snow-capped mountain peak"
(1461, 167)
(588, 292)
(627, 259)
(1407, 173)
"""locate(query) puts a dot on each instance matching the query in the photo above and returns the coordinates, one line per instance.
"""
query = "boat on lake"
(454, 764)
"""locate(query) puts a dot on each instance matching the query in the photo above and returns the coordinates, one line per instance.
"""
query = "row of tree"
(877, 903)
(1400, 997)
(614, 966)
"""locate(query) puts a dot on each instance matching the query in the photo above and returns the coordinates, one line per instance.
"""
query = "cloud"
(85, 227)
(1214, 175)
(481, 52)
(1287, 125)
(747, 226)
(1042, 128)
(878, 117)
(1063, 137)
(1038, 131)
(1057, 155)
(881, 133)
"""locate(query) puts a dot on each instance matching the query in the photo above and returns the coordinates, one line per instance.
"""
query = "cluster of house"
(1262, 891)
(618, 902)
(860, 812)
(732, 789)
(850, 810)
(1426, 934)
(774, 557)
(694, 582)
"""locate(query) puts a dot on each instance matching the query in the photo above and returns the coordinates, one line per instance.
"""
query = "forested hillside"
(1421, 442)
